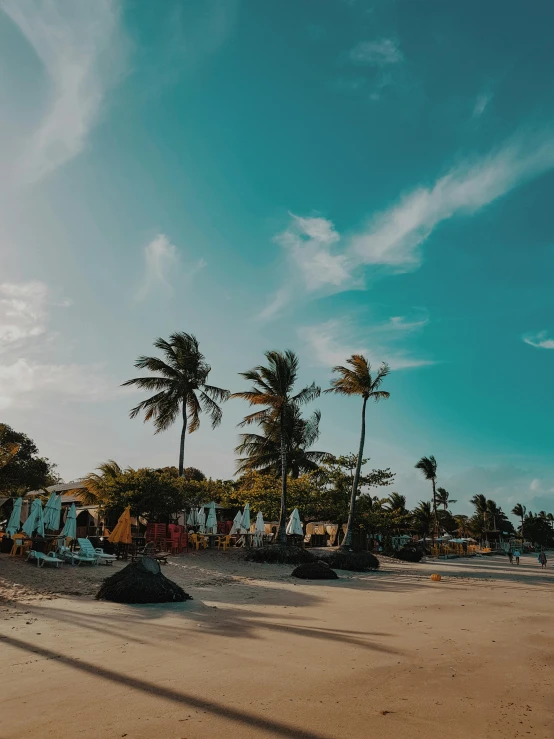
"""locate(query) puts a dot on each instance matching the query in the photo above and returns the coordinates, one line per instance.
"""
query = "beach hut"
(69, 530)
(14, 524)
(35, 520)
(122, 531)
(202, 520)
(294, 526)
(211, 521)
(237, 521)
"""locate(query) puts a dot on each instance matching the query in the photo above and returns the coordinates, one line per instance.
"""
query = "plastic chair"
(18, 548)
(224, 542)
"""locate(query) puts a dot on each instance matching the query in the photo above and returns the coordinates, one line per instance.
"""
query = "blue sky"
(329, 177)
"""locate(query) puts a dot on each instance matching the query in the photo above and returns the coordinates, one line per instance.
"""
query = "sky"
(331, 177)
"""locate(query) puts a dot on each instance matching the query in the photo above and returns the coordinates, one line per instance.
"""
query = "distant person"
(511, 556)
(517, 556)
(543, 560)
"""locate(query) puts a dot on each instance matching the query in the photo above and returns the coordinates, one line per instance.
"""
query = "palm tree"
(180, 386)
(263, 451)
(358, 380)
(273, 388)
(520, 510)
(397, 503)
(96, 483)
(550, 519)
(444, 499)
(428, 466)
(463, 525)
(423, 518)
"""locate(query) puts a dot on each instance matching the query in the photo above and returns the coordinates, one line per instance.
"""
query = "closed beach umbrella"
(202, 520)
(192, 519)
(69, 530)
(235, 528)
(260, 529)
(52, 511)
(35, 520)
(122, 531)
(245, 523)
(294, 525)
(211, 522)
(14, 524)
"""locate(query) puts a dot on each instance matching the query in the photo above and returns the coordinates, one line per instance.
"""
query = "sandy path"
(388, 655)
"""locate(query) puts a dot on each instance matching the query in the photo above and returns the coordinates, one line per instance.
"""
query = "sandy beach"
(259, 654)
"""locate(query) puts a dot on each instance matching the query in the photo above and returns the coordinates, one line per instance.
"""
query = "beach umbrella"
(245, 523)
(35, 520)
(294, 525)
(260, 528)
(202, 520)
(211, 522)
(14, 524)
(192, 519)
(69, 530)
(237, 521)
(122, 531)
(52, 512)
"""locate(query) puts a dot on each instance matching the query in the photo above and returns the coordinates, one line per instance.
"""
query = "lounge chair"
(87, 550)
(44, 559)
(76, 558)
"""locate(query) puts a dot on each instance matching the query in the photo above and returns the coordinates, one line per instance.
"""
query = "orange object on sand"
(436, 578)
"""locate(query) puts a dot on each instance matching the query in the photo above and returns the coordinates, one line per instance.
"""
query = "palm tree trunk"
(347, 541)
(183, 434)
(435, 519)
(282, 533)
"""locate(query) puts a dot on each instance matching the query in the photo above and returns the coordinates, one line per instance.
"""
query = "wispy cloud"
(481, 104)
(162, 262)
(330, 343)
(82, 51)
(23, 311)
(377, 53)
(540, 340)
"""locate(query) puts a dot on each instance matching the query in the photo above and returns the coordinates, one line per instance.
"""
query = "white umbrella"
(294, 525)
(35, 520)
(260, 529)
(14, 524)
(52, 512)
(245, 523)
(237, 521)
(211, 523)
(69, 530)
(192, 519)
(202, 520)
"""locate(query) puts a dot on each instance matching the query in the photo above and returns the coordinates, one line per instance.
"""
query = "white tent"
(202, 520)
(260, 530)
(211, 523)
(237, 521)
(294, 526)
(245, 523)
(35, 520)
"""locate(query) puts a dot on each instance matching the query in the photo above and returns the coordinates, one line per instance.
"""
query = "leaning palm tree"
(262, 451)
(444, 499)
(180, 387)
(520, 510)
(358, 380)
(428, 466)
(96, 484)
(273, 388)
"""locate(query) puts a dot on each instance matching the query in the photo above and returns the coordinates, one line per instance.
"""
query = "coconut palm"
(397, 504)
(444, 499)
(424, 519)
(97, 483)
(273, 388)
(520, 510)
(463, 525)
(428, 467)
(180, 387)
(263, 451)
(357, 379)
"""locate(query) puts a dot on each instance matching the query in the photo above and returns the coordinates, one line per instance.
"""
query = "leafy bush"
(314, 571)
(276, 554)
(409, 554)
(354, 561)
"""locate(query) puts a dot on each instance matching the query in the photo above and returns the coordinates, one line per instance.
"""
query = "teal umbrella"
(70, 528)
(35, 520)
(52, 512)
(14, 524)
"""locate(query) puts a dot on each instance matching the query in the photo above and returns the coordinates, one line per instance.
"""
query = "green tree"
(273, 388)
(428, 467)
(520, 510)
(97, 483)
(444, 499)
(180, 387)
(263, 451)
(536, 529)
(357, 380)
(424, 519)
(22, 469)
(397, 503)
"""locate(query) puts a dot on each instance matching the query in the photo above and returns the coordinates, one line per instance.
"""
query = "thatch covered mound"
(409, 554)
(141, 582)
(276, 554)
(315, 571)
(353, 561)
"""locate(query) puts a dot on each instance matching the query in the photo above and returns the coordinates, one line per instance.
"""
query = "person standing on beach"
(516, 555)
(511, 556)
(542, 559)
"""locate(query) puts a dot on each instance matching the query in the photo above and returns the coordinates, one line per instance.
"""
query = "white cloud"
(481, 104)
(377, 53)
(280, 299)
(23, 311)
(540, 340)
(81, 49)
(332, 342)
(162, 260)
(402, 323)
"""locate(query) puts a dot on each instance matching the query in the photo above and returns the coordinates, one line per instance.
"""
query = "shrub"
(409, 554)
(314, 571)
(276, 554)
(141, 582)
(354, 561)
